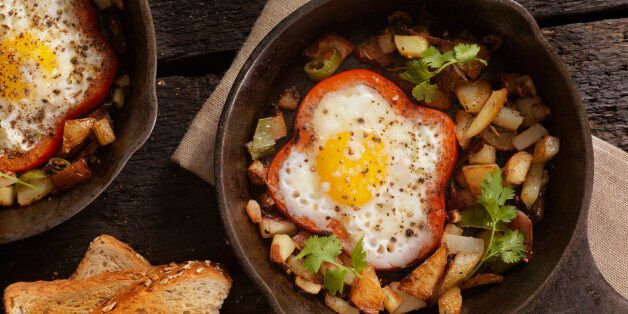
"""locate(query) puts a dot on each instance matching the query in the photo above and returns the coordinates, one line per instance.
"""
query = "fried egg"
(367, 171)
(52, 62)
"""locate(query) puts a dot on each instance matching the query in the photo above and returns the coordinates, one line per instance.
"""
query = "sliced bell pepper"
(303, 137)
(98, 90)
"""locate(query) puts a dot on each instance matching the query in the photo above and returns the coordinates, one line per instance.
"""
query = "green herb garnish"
(510, 245)
(418, 71)
(326, 249)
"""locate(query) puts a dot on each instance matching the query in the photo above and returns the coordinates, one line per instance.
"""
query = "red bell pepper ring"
(403, 106)
(48, 146)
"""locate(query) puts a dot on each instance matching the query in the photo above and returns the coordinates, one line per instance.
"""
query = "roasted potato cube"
(532, 184)
(339, 305)
(528, 137)
(104, 132)
(308, 286)
(269, 227)
(517, 167)
(281, 248)
(545, 148)
(254, 211)
(450, 302)
(74, 134)
(7, 195)
(366, 293)
(490, 109)
(411, 46)
(476, 174)
(473, 95)
(72, 175)
(27, 195)
(278, 127)
(423, 280)
(486, 155)
(481, 279)
(289, 99)
(257, 172)
(460, 267)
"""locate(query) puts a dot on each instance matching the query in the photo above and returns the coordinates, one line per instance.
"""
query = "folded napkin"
(608, 216)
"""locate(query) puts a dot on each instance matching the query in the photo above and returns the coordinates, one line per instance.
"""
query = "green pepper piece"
(32, 175)
(263, 143)
(320, 69)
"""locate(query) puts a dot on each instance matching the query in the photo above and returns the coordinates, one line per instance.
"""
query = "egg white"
(51, 95)
(394, 222)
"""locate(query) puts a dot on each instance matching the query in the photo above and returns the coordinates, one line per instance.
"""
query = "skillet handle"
(577, 285)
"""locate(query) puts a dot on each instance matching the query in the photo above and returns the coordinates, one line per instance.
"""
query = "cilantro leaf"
(334, 279)
(433, 58)
(425, 91)
(511, 246)
(358, 257)
(416, 72)
(318, 250)
(466, 53)
(477, 217)
(494, 195)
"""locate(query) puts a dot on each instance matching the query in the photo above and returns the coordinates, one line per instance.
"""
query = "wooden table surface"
(168, 214)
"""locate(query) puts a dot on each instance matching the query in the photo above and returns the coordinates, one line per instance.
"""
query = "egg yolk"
(352, 165)
(19, 56)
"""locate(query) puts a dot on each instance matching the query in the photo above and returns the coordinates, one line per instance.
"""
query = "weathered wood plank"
(597, 57)
(165, 212)
(192, 28)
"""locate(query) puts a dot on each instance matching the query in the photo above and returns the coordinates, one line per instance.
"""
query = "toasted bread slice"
(67, 296)
(108, 254)
(192, 287)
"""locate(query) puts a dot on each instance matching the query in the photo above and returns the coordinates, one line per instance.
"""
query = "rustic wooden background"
(168, 214)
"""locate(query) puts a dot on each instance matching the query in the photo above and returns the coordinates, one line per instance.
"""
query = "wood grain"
(164, 212)
(193, 28)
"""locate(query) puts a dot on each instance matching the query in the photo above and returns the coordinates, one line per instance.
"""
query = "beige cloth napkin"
(608, 217)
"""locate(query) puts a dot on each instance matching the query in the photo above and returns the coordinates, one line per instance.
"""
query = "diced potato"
(386, 41)
(27, 195)
(281, 248)
(463, 120)
(453, 229)
(308, 286)
(517, 167)
(289, 98)
(461, 244)
(473, 95)
(257, 172)
(422, 281)
(533, 110)
(75, 132)
(7, 181)
(486, 155)
(104, 132)
(450, 302)
(408, 303)
(411, 46)
(7, 195)
(532, 184)
(295, 265)
(545, 148)
(339, 305)
(366, 293)
(269, 227)
(278, 127)
(462, 265)
(528, 137)
(369, 52)
(476, 174)
(254, 211)
(481, 279)
(392, 299)
(323, 47)
(72, 175)
(508, 118)
(501, 141)
(490, 109)
(266, 200)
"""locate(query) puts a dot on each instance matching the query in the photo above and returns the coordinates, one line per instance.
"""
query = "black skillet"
(561, 276)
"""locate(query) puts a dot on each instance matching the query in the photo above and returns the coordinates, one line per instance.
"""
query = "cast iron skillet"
(133, 126)
(276, 64)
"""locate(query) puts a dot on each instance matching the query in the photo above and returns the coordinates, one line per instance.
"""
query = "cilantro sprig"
(418, 71)
(509, 246)
(318, 250)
